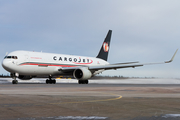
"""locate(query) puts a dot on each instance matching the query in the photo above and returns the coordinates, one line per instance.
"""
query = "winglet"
(172, 57)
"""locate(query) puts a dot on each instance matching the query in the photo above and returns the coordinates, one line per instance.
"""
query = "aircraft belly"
(27, 70)
(37, 70)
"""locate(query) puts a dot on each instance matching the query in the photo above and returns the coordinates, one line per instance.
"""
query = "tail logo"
(105, 47)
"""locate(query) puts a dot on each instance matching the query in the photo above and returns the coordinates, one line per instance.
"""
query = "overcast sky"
(143, 30)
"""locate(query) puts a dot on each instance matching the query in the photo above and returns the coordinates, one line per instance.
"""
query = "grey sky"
(145, 31)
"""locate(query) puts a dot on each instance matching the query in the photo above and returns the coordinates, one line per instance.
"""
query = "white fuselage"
(39, 63)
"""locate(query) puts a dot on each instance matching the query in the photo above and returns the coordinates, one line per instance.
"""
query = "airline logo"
(74, 60)
(105, 47)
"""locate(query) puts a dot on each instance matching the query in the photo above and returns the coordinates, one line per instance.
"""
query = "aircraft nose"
(6, 64)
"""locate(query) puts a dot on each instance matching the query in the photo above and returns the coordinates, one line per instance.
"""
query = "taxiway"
(114, 101)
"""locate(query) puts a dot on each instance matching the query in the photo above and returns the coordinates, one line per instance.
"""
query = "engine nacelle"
(25, 77)
(82, 74)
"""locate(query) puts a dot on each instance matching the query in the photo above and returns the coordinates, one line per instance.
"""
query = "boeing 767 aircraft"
(26, 64)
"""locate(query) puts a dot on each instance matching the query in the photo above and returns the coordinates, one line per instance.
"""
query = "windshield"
(10, 57)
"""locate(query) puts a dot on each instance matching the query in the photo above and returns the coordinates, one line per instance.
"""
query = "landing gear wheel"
(47, 81)
(86, 81)
(54, 81)
(83, 81)
(14, 82)
(80, 81)
(51, 81)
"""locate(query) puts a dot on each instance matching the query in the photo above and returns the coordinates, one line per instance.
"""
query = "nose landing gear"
(14, 76)
(14, 82)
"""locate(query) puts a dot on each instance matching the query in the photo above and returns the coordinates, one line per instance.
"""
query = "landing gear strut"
(83, 81)
(50, 80)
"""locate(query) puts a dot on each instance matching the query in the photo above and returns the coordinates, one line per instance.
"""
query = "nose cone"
(6, 65)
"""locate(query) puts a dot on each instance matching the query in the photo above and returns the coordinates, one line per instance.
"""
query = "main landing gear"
(83, 81)
(50, 80)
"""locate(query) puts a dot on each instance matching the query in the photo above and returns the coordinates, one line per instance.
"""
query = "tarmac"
(124, 99)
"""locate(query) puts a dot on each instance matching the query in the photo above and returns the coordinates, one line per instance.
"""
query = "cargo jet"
(26, 64)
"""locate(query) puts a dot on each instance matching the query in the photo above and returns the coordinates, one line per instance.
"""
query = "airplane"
(26, 65)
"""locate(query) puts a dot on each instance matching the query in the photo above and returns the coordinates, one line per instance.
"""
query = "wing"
(115, 66)
(70, 69)
(128, 65)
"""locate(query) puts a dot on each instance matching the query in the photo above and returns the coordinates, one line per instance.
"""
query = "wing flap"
(112, 66)
(125, 63)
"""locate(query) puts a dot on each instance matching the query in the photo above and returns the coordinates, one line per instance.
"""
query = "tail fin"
(103, 53)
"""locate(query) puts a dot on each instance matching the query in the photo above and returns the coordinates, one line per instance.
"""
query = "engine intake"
(82, 74)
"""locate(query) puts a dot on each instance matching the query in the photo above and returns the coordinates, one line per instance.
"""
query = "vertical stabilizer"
(103, 53)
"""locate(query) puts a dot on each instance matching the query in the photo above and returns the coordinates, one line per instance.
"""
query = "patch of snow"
(171, 115)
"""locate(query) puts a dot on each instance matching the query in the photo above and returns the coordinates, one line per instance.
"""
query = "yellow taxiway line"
(102, 100)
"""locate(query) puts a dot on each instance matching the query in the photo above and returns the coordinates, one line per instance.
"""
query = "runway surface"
(35, 100)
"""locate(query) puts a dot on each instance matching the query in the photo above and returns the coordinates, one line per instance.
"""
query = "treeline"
(4, 76)
(94, 77)
(120, 77)
(109, 77)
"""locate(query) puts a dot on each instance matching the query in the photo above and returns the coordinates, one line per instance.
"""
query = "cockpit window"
(10, 57)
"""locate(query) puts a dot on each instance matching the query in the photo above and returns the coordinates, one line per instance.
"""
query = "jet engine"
(25, 77)
(82, 74)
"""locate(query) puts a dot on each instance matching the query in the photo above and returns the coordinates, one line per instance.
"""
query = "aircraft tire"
(86, 81)
(14, 82)
(50, 81)
(83, 82)
(79, 81)
(47, 81)
(53, 81)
